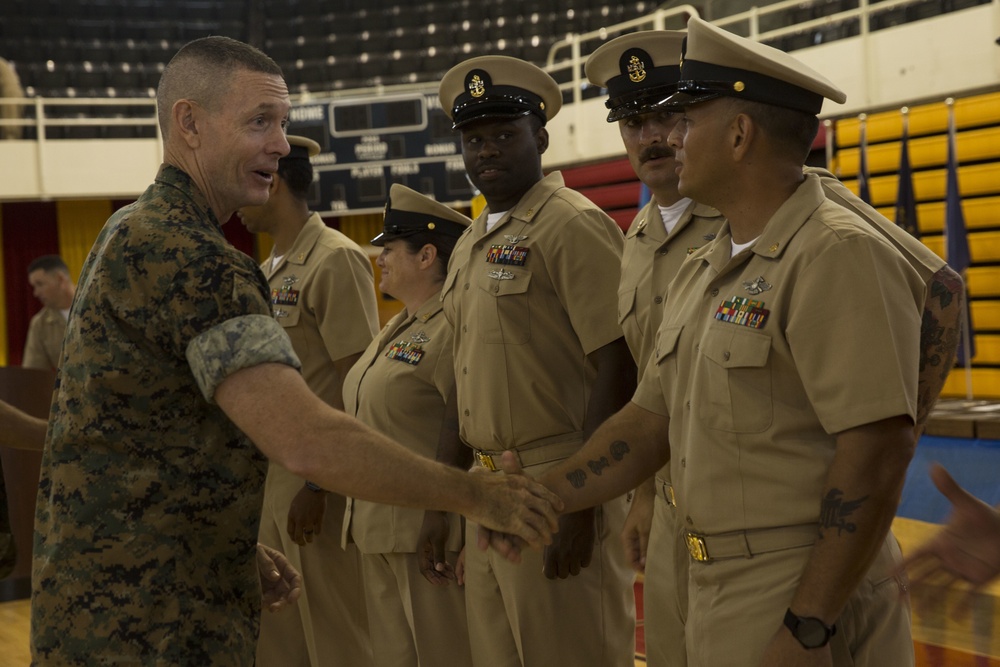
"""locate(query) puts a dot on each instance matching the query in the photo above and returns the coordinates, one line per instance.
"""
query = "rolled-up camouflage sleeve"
(237, 343)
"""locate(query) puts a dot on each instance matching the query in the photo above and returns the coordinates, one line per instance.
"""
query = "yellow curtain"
(3, 301)
(79, 222)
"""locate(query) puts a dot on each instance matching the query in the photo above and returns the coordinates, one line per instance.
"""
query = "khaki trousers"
(518, 618)
(737, 605)
(664, 587)
(328, 626)
(414, 623)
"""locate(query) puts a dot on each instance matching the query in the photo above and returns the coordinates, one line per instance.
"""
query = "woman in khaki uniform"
(399, 386)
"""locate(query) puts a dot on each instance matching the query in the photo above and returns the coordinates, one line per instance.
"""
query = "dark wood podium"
(30, 390)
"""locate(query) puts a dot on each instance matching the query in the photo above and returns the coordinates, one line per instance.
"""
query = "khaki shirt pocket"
(504, 312)
(736, 394)
(626, 303)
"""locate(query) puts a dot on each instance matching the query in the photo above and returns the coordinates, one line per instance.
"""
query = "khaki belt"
(529, 457)
(666, 492)
(749, 543)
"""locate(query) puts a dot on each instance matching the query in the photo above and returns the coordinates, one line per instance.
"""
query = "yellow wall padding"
(985, 383)
(79, 222)
(971, 146)
(925, 119)
(361, 228)
(478, 204)
(263, 244)
(986, 315)
(977, 179)
(983, 281)
(979, 213)
(3, 301)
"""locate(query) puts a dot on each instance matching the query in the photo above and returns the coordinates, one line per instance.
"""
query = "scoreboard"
(366, 145)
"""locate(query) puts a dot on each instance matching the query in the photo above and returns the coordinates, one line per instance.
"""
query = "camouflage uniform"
(150, 497)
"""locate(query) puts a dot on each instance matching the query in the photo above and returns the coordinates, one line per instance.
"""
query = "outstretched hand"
(530, 520)
(967, 548)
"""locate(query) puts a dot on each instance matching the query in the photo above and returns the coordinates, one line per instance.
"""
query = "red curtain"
(29, 231)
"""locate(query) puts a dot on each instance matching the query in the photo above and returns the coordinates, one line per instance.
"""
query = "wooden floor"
(14, 635)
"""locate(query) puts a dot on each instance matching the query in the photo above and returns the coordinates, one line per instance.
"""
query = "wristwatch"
(811, 632)
(312, 486)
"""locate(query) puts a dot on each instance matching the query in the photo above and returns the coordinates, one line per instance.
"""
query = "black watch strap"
(313, 487)
(811, 632)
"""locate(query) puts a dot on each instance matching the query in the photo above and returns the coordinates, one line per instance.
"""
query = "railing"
(41, 119)
(747, 24)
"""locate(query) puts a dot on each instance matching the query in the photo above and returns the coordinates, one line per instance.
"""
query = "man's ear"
(743, 131)
(542, 140)
(186, 116)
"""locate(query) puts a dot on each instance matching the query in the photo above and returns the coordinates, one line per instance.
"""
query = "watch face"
(811, 632)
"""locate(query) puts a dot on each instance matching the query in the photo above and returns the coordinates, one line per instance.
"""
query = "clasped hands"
(568, 539)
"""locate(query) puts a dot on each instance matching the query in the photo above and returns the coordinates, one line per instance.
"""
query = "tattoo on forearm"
(619, 448)
(835, 512)
(577, 478)
(940, 327)
(598, 466)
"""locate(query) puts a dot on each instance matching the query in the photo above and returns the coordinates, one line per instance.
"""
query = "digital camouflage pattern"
(150, 497)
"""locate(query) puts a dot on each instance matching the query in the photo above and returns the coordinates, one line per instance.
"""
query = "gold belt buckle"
(696, 547)
(486, 461)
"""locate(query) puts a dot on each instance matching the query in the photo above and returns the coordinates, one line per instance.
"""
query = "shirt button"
(466, 413)
(465, 370)
(464, 328)
(684, 463)
(688, 405)
(466, 285)
(496, 288)
(662, 252)
(688, 519)
(725, 355)
(714, 292)
(658, 299)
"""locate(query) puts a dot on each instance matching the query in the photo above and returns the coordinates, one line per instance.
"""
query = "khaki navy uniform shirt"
(649, 263)
(529, 300)
(150, 497)
(323, 295)
(761, 359)
(399, 387)
(43, 347)
(921, 258)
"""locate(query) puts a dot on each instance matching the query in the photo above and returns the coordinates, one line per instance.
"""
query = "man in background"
(50, 283)
(323, 296)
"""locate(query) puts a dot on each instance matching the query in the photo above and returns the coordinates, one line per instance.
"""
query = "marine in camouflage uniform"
(149, 499)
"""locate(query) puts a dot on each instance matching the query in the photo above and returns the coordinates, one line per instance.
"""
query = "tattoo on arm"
(598, 466)
(619, 448)
(577, 478)
(835, 512)
(940, 328)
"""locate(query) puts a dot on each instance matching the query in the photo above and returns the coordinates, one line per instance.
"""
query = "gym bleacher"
(116, 49)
